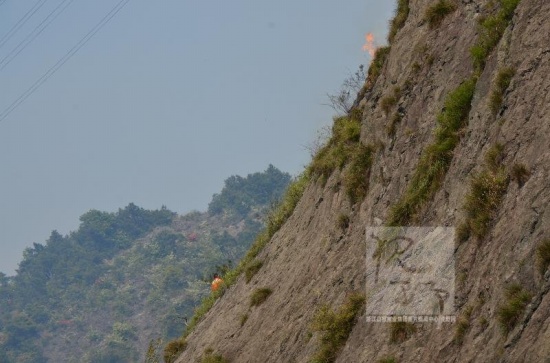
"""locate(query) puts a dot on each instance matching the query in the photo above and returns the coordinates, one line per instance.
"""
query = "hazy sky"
(165, 102)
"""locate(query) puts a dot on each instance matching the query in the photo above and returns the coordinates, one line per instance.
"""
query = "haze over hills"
(103, 292)
(164, 102)
(449, 132)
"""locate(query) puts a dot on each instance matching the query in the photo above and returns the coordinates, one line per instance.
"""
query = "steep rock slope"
(314, 259)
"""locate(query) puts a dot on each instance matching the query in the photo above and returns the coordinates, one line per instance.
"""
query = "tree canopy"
(126, 277)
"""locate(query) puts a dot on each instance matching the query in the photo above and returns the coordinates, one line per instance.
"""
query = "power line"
(2, 2)
(106, 19)
(35, 33)
(22, 21)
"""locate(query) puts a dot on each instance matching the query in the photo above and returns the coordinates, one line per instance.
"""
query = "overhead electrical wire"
(106, 19)
(22, 22)
(35, 33)
(2, 2)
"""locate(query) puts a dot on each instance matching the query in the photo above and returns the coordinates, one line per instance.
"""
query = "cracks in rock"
(319, 201)
(533, 306)
(535, 63)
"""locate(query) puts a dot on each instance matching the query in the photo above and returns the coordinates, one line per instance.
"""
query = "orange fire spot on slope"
(369, 44)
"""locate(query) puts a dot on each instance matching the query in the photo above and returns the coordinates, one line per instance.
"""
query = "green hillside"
(104, 292)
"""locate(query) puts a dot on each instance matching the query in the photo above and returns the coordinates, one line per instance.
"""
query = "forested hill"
(103, 292)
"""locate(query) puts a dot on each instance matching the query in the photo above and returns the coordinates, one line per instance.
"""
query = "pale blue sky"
(165, 102)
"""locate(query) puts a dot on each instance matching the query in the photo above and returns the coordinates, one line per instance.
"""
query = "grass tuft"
(503, 79)
(520, 174)
(259, 296)
(401, 331)
(543, 256)
(173, 350)
(516, 301)
(494, 156)
(437, 157)
(376, 66)
(251, 269)
(491, 30)
(487, 190)
(392, 126)
(346, 132)
(387, 360)
(462, 326)
(336, 326)
(484, 323)
(344, 148)
(343, 221)
(399, 19)
(388, 102)
(438, 11)
(486, 193)
(210, 357)
(357, 174)
(284, 209)
(243, 319)
(463, 232)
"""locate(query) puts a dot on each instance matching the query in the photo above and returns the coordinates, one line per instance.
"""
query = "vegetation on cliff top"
(344, 151)
(400, 17)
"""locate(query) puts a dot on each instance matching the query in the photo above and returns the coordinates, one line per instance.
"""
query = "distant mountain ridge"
(104, 291)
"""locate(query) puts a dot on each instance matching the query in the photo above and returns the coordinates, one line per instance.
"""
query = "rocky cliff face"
(495, 187)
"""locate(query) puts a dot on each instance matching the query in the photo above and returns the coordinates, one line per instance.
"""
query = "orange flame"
(369, 44)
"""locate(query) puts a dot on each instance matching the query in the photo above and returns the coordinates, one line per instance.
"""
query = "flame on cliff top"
(370, 45)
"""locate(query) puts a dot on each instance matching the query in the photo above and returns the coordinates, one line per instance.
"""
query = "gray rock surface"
(311, 261)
